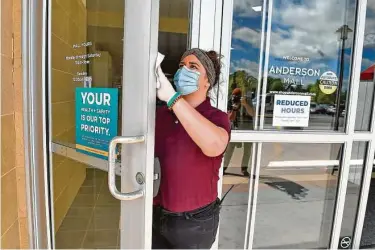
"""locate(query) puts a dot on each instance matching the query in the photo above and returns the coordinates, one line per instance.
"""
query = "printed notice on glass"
(96, 120)
(291, 111)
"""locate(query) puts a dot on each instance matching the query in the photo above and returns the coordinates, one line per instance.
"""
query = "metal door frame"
(138, 102)
(141, 49)
(346, 138)
(34, 44)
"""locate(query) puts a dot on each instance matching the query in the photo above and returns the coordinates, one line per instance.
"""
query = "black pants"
(191, 230)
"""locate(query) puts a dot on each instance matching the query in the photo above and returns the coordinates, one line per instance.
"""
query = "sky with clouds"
(301, 28)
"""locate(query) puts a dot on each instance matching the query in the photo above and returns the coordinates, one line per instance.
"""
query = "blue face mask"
(186, 80)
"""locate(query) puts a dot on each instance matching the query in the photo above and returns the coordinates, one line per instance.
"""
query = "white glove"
(159, 59)
(166, 91)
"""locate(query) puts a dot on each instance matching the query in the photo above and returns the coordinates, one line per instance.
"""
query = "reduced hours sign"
(291, 111)
(96, 120)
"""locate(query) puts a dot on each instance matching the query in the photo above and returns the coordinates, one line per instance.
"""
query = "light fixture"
(257, 8)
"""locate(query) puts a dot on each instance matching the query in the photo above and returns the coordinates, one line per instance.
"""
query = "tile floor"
(92, 221)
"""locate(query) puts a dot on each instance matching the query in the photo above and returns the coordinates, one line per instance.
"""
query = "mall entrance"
(302, 145)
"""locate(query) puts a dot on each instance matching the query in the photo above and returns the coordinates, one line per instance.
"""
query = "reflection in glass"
(173, 39)
(296, 195)
(308, 56)
(353, 191)
(244, 151)
(367, 79)
(86, 51)
(233, 215)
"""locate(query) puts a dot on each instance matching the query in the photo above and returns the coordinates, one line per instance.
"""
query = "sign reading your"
(96, 120)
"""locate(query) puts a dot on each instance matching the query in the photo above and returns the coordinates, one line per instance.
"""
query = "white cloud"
(247, 35)
(370, 23)
(307, 29)
(248, 66)
(322, 66)
(371, 5)
(312, 27)
(243, 8)
(369, 40)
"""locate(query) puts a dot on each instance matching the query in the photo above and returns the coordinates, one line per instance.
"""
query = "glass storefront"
(306, 54)
(294, 72)
(286, 51)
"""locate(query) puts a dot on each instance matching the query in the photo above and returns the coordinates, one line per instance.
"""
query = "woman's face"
(192, 63)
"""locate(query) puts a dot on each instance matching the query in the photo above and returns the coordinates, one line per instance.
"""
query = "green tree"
(276, 85)
(243, 80)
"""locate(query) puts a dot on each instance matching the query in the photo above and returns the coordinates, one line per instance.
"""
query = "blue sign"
(96, 120)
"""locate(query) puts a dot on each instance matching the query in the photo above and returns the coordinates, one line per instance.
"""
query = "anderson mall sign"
(297, 74)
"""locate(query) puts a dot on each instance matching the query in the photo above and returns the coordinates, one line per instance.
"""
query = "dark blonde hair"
(215, 59)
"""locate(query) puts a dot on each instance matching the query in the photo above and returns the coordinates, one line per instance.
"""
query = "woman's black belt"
(216, 204)
(192, 213)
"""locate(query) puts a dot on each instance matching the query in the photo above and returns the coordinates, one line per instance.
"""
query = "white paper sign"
(291, 111)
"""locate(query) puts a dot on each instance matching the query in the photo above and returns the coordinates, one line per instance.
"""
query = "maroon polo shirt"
(188, 177)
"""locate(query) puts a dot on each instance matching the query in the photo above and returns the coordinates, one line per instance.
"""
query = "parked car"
(317, 108)
(268, 104)
(332, 110)
(313, 107)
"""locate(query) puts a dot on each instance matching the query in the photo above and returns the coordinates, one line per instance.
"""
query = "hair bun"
(215, 58)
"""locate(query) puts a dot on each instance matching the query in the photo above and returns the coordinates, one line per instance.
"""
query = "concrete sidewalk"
(289, 214)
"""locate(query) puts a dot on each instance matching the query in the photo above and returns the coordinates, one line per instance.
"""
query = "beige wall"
(69, 26)
(13, 200)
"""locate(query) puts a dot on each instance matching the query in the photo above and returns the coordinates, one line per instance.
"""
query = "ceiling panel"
(106, 5)
(168, 8)
(174, 8)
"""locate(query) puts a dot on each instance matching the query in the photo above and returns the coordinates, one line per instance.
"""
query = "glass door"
(300, 138)
(102, 102)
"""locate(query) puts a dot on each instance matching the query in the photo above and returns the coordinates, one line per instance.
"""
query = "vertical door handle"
(111, 168)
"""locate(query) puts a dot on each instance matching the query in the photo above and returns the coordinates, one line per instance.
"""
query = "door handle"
(111, 168)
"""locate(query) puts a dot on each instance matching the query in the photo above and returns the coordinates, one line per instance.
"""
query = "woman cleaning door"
(190, 139)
